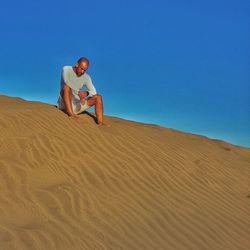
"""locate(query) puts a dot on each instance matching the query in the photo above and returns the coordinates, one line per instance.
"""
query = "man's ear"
(77, 65)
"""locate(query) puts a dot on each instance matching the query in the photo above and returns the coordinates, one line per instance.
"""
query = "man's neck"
(74, 69)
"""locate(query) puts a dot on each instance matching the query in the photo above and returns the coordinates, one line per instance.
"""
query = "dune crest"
(67, 184)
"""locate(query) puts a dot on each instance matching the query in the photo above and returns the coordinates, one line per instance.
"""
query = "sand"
(70, 184)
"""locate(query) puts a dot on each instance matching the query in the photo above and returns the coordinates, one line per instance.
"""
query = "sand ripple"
(74, 185)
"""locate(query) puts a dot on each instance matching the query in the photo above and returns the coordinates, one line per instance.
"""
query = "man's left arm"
(91, 89)
(82, 94)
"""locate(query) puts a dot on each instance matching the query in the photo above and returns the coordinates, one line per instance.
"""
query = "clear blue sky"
(180, 64)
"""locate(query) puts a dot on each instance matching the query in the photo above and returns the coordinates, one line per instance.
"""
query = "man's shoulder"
(87, 76)
(67, 68)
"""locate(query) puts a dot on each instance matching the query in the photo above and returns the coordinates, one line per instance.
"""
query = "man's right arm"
(65, 94)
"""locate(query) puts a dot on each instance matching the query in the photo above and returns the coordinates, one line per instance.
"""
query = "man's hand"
(73, 116)
(82, 101)
(83, 94)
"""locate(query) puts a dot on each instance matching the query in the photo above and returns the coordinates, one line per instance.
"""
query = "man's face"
(81, 68)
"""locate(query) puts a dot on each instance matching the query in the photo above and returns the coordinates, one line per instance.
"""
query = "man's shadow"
(82, 113)
(89, 114)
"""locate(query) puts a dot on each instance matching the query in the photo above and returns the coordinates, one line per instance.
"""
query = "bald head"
(83, 59)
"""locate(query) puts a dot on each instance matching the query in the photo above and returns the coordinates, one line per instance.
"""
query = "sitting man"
(72, 98)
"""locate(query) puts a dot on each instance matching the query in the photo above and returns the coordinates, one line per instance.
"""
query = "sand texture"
(70, 184)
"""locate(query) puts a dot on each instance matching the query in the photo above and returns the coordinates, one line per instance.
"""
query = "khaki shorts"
(80, 108)
(77, 107)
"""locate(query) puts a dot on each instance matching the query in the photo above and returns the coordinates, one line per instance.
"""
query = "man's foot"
(74, 117)
(102, 124)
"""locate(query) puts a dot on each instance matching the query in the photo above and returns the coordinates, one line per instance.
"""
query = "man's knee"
(65, 89)
(97, 98)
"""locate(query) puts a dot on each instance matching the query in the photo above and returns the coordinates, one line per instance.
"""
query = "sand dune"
(67, 184)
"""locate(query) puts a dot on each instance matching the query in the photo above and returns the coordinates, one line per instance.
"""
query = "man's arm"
(91, 88)
(83, 94)
(65, 94)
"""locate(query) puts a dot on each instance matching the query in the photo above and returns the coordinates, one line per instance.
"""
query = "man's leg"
(97, 101)
(65, 94)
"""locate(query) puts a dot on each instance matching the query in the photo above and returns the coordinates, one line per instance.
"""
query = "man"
(72, 98)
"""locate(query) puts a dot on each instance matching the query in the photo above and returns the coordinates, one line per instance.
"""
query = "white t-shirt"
(75, 83)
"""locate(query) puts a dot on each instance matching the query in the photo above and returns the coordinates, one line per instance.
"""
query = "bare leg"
(99, 110)
(97, 101)
(65, 94)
